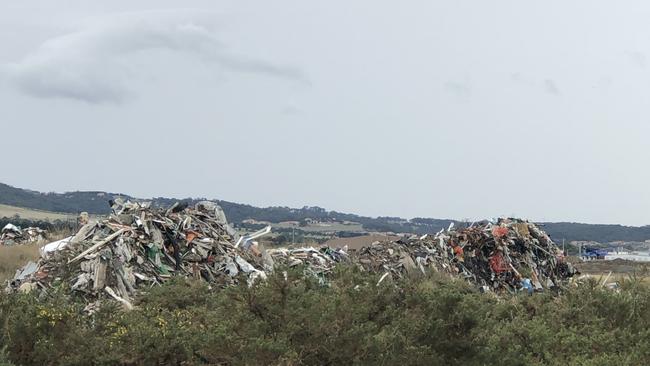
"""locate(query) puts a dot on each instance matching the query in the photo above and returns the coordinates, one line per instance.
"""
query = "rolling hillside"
(33, 214)
(58, 205)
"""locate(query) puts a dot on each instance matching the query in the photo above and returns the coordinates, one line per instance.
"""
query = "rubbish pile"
(14, 235)
(510, 255)
(137, 247)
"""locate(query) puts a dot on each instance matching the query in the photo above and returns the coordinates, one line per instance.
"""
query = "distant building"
(634, 256)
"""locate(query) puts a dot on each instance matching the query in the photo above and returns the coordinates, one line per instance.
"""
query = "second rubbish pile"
(14, 235)
(509, 255)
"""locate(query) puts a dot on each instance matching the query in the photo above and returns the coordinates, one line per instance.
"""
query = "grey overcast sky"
(448, 109)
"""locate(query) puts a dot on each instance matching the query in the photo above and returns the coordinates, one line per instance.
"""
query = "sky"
(447, 109)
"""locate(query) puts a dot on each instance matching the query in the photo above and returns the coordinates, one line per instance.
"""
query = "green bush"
(291, 319)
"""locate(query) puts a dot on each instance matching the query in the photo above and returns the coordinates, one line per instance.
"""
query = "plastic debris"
(54, 246)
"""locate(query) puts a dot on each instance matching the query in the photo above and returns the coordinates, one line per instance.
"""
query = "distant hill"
(96, 202)
(592, 232)
(32, 214)
(72, 202)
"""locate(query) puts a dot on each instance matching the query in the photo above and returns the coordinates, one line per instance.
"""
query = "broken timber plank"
(98, 245)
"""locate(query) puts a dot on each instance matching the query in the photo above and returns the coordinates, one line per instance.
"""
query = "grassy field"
(14, 257)
(615, 266)
(616, 270)
(322, 228)
(31, 214)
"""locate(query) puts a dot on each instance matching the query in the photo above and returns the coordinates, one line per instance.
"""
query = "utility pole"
(563, 247)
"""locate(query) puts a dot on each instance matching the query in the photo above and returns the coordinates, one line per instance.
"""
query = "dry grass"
(617, 270)
(32, 214)
(619, 266)
(318, 228)
(13, 257)
(359, 242)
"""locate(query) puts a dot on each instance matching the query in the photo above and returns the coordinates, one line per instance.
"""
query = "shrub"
(291, 319)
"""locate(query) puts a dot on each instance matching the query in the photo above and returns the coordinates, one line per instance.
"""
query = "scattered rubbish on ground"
(14, 235)
(317, 262)
(600, 280)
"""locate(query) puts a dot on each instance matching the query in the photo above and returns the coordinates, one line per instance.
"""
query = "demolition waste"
(139, 246)
(14, 235)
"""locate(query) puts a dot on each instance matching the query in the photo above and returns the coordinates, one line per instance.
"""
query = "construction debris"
(138, 247)
(14, 235)
(508, 256)
(317, 262)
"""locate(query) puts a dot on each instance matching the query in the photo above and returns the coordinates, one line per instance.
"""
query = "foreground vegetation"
(292, 321)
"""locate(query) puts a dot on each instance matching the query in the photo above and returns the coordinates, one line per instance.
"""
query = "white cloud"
(92, 63)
